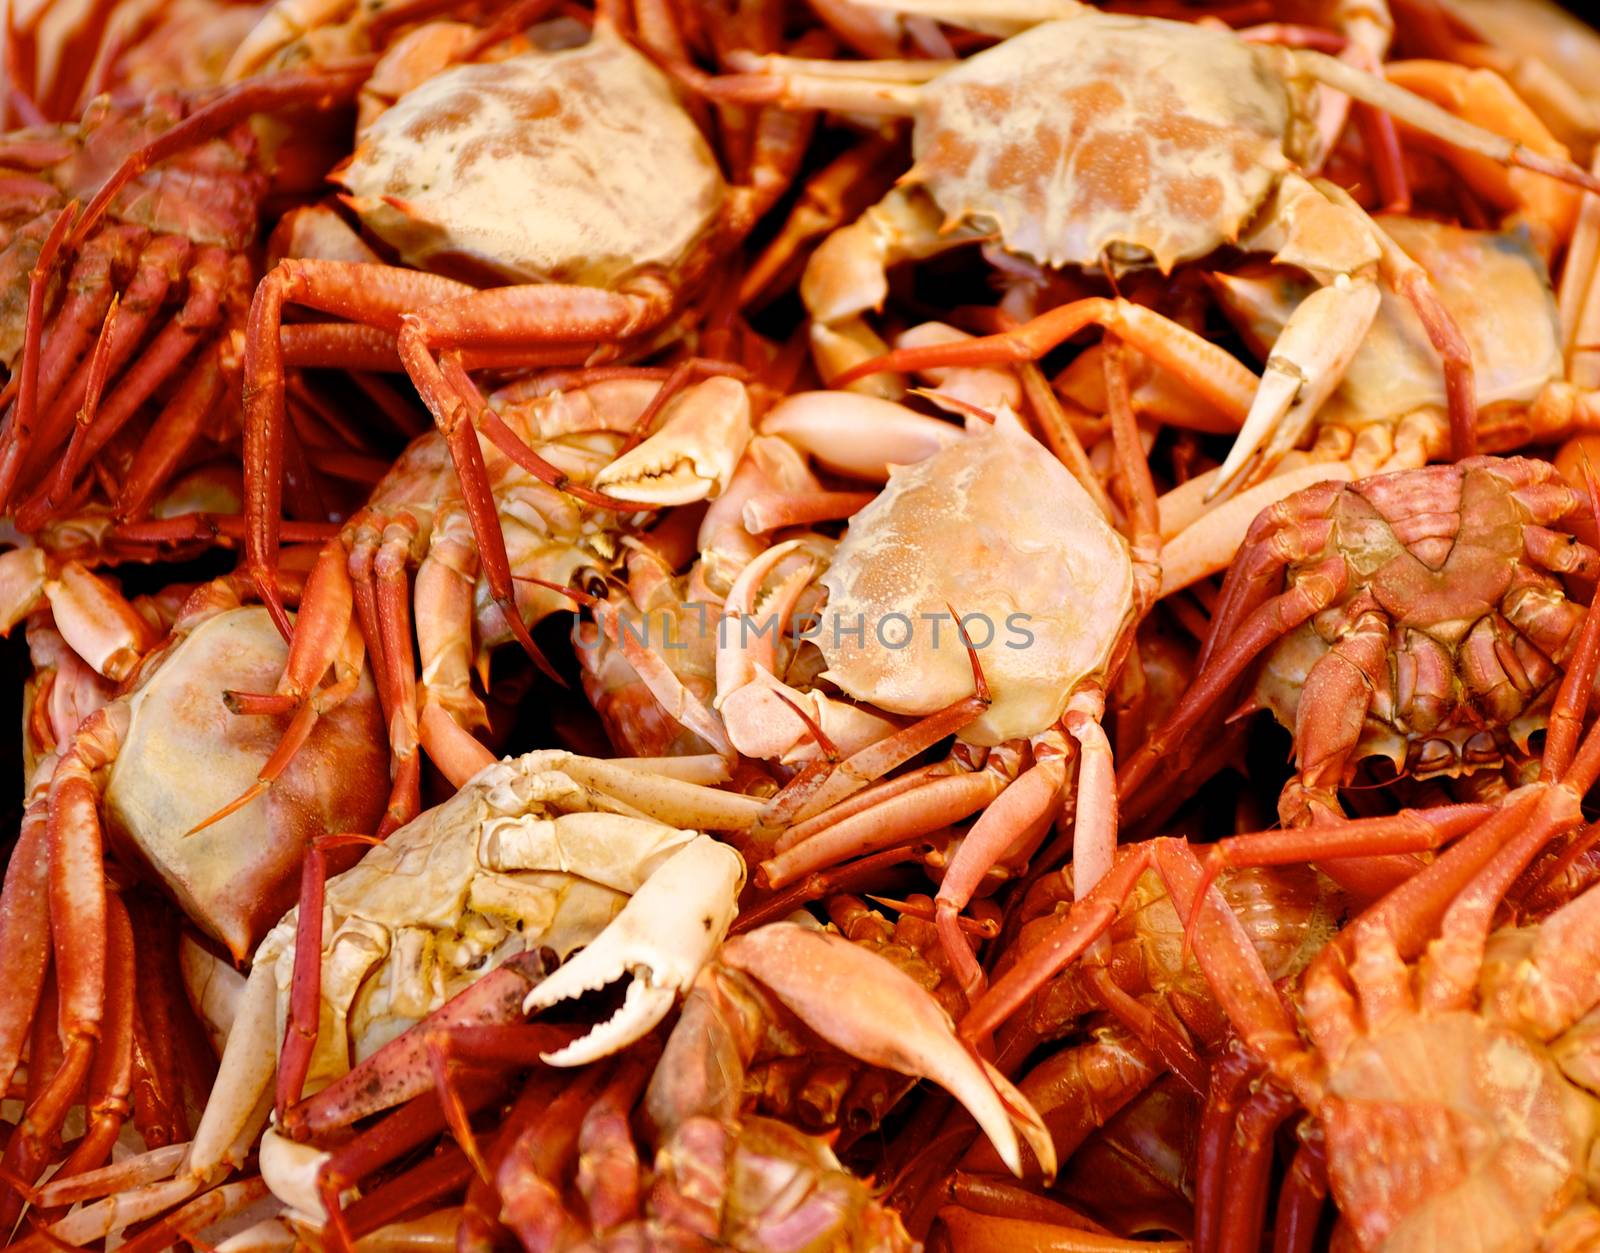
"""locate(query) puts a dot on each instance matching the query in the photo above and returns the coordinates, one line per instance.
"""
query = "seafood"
(1110, 188)
(155, 205)
(465, 599)
(1421, 617)
(109, 778)
(578, 273)
(443, 924)
(876, 386)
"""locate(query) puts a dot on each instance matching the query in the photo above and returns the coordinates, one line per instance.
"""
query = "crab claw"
(692, 456)
(662, 937)
(869, 1008)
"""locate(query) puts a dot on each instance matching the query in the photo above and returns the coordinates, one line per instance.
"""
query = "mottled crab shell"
(185, 757)
(578, 166)
(1099, 135)
(992, 526)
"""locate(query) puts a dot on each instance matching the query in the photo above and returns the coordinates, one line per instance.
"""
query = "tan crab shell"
(994, 526)
(186, 756)
(1101, 135)
(577, 166)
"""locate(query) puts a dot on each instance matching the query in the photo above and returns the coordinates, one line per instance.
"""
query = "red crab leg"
(324, 88)
(410, 1127)
(18, 429)
(152, 1088)
(394, 622)
(481, 1227)
(898, 820)
(855, 877)
(608, 1162)
(78, 925)
(305, 989)
(24, 934)
(111, 1077)
(1231, 1077)
(1249, 1165)
(1300, 1201)
(530, 1176)
(1229, 963)
(1313, 591)
(371, 294)
(339, 346)
(984, 1233)
(1029, 804)
(1213, 373)
(1409, 831)
(200, 313)
(54, 494)
(824, 798)
(174, 432)
(418, 1189)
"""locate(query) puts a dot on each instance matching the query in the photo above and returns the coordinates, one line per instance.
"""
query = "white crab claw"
(1307, 364)
(693, 455)
(869, 1008)
(662, 937)
(290, 1171)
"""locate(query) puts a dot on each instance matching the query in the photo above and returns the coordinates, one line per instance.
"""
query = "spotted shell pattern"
(577, 166)
(992, 526)
(1132, 138)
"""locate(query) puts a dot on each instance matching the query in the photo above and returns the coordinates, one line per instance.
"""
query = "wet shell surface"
(996, 529)
(1100, 135)
(186, 756)
(578, 166)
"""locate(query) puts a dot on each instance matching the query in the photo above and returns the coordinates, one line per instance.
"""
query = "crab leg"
(529, 1178)
(1317, 589)
(399, 1070)
(1414, 110)
(78, 911)
(24, 933)
(896, 820)
(111, 1077)
(1213, 373)
(199, 314)
(18, 428)
(163, 260)
(174, 432)
(34, 512)
(987, 1233)
(374, 295)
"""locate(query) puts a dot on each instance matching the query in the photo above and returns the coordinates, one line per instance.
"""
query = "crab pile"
(651, 624)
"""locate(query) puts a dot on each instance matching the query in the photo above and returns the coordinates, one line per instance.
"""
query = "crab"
(1446, 1062)
(1388, 412)
(464, 602)
(954, 599)
(592, 263)
(135, 768)
(1421, 618)
(1178, 139)
(448, 924)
